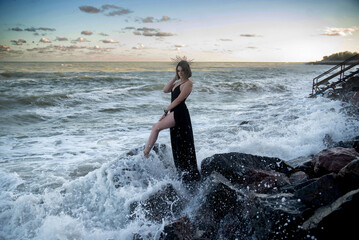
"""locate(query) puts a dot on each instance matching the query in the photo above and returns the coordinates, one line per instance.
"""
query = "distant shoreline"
(326, 62)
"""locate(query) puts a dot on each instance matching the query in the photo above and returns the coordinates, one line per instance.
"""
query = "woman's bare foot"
(146, 153)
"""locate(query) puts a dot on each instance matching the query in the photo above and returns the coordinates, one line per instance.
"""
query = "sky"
(158, 30)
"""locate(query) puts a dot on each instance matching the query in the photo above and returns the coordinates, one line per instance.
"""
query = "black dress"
(183, 150)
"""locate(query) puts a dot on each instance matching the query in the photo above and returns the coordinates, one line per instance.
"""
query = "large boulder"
(163, 204)
(320, 192)
(336, 220)
(236, 167)
(333, 159)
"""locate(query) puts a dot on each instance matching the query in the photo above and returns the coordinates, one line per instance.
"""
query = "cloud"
(151, 32)
(89, 9)
(4, 48)
(17, 29)
(86, 32)
(152, 19)
(164, 19)
(46, 29)
(225, 40)
(32, 29)
(119, 12)
(45, 40)
(129, 28)
(18, 42)
(180, 45)
(250, 35)
(106, 9)
(147, 20)
(334, 32)
(61, 39)
(139, 46)
(109, 41)
(80, 39)
(71, 48)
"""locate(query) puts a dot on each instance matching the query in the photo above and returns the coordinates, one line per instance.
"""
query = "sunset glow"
(157, 30)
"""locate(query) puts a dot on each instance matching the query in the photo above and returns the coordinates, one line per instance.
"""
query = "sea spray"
(66, 129)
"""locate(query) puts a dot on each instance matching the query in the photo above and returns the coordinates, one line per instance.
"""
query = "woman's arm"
(169, 85)
(185, 91)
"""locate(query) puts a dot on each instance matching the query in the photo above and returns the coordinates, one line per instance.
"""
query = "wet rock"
(298, 177)
(262, 181)
(166, 203)
(350, 175)
(276, 216)
(236, 166)
(337, 220)
(333, 159)
(320, 192)
(178, 230)
(219, 199)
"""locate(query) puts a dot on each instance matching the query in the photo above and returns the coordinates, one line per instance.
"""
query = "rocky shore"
(248, 197)
(255, 197)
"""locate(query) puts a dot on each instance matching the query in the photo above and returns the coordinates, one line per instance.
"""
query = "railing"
(338, 70)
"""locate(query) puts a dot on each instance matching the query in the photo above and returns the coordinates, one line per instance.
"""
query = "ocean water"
(65, 129)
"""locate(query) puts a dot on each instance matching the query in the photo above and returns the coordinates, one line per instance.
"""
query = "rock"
(178, 230)
(298, 177)
(265, 181)
(350, 175)
(337, 220)
(308, 168)
(275, 216)
(163, 204)
(320, 192)
(333, 159)
(219, 199)
(236, 166)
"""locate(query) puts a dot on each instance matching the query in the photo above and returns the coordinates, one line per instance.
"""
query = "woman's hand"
(163, 116)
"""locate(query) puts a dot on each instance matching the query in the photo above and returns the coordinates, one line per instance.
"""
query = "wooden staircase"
(336, 75)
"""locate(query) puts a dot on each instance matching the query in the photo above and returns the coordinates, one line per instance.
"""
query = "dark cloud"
(89, 9)
(145, 29)
(18, 42)
(120, 12)
(103, 34)
(151, 32)
(129, 28)
(32, 29)
(46, 29)
(17, 29)
(61, 39)
(86, 32)
(106, 9)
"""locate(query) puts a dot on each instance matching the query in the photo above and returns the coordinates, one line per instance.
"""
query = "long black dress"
(183, 150)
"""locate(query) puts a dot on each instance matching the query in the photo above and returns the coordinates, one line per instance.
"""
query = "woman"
(177, 118)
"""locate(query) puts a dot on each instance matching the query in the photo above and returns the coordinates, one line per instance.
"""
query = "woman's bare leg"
(167, 122)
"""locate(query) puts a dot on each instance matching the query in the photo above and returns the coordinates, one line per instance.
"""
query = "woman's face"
(180, 72)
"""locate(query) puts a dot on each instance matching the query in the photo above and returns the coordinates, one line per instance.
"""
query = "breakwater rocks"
(243, 196)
